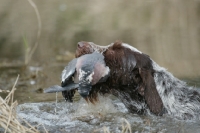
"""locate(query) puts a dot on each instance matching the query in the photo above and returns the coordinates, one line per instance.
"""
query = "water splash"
(107, 114)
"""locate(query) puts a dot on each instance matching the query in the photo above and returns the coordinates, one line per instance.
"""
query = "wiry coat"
(142, 84)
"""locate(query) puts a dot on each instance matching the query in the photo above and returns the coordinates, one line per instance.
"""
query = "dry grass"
(126, 128)
(30, 51)
(8, 117)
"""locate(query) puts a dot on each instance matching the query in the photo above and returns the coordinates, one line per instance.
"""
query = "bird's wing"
(68, 72)
(57, 88)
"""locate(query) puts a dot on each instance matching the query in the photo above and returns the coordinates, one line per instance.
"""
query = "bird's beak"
(84, 91)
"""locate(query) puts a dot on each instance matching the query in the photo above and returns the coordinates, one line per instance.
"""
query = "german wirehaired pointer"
(139, 82)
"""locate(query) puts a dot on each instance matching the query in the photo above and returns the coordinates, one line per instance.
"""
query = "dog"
(137, 80)
(142, 84)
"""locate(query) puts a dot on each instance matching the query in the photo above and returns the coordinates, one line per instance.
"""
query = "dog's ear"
(149, 91)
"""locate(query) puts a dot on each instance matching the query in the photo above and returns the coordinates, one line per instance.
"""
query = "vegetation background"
(167, 30)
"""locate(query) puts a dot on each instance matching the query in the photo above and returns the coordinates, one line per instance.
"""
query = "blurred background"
(167, 30)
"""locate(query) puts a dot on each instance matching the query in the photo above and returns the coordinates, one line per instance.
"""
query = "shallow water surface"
(107, 114)
(32, 81)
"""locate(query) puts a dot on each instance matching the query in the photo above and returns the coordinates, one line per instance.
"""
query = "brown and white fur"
(141, 84)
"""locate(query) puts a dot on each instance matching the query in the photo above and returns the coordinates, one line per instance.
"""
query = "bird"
(81, 74)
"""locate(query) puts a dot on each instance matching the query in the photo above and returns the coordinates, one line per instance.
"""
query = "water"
(108, 114)
(42, 111)
(31, 82)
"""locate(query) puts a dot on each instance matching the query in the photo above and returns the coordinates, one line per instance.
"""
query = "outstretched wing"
(67, 81)
(68, 72)
(57, 88)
